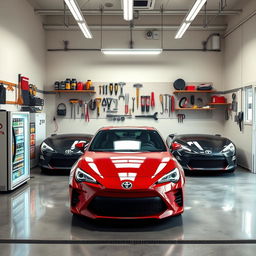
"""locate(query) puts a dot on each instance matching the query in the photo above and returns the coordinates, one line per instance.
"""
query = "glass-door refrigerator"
(15, 151)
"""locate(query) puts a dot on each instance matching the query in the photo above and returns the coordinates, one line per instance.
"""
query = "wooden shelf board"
(219, 104)
(195, 109)
(11, 102)
(7, 83)
(194, 91)
(75, 91)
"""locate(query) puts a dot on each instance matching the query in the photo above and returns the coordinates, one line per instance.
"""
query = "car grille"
(74, 197)
(221, 164)
(127, 207)
(179, 198)
(67, 162)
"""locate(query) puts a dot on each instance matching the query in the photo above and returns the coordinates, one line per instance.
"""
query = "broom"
(20, 99)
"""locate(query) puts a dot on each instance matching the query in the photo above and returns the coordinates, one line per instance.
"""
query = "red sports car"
(126, 173)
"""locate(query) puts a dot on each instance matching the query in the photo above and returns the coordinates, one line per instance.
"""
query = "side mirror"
(81, 146)
(175, 146)
(171, 135)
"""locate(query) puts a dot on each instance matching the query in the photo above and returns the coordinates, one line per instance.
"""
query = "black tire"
(231, 170)
(45, 170)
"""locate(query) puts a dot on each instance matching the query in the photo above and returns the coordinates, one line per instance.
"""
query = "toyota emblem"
(68, 152)
(208, 152)
(127, 185)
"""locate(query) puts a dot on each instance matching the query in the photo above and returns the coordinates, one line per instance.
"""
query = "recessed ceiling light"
(108, 5)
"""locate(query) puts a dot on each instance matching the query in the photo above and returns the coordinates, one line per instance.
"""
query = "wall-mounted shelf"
(193, 91)
(195, 109)
(7, 83)
(11, 102)
(74, 91)
(219, 104)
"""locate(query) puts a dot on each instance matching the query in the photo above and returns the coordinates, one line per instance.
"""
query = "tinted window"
(127, 140)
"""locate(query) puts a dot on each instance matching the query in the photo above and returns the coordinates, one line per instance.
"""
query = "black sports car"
(59, 151)
(203, 152)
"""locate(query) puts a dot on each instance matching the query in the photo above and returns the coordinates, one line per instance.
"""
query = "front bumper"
(202, 162)
(99, 202)
(55, 161)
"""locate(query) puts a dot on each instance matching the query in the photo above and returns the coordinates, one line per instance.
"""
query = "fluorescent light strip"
(86, 31)
(195, 10)
(75, 10)
(78, 16)
(182, 30)
(131, 51)
(128, 9)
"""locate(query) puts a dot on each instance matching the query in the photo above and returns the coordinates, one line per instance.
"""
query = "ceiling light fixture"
(183, 28)
(78, 16)
(131, 51)
(190, 17)
(128, 9)
(195, 10)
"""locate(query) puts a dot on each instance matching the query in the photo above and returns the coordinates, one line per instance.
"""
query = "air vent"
(144, 4)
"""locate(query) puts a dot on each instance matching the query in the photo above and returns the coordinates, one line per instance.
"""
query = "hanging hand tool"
(149, 116)
(106, 89)
(73, 103)
(118, 117)
(111, 89)
(133, 99)
(100, 89)
(80, 105)
(181, 117)
(147, 103)
(104, 104)
(173, 103)
(86, 112)
(143, 103)
(162, 102)
(98, 101)
(152, 102)
(122, 84)
(109, 101)
(92, 104)
(170, 105)
(126, 110)
(116, 104)
(166, 99)
(116, 88)
(137, 86)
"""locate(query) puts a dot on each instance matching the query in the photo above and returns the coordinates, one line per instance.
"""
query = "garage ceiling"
(53, 12)
(95, 4)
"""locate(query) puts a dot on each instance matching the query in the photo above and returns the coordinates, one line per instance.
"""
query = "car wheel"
(45, 170)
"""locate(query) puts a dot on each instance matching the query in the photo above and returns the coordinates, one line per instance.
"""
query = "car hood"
(141, 169)
(202, 143)
(61, 143)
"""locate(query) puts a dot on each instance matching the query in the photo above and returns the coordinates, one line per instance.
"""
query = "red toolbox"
(219, 99)
(190, 88)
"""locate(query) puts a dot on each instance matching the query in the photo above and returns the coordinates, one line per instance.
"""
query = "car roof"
(128, 128)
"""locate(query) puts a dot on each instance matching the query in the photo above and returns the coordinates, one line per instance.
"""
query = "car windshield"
(127, 140)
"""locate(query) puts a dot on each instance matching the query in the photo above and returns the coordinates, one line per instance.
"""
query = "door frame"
(254, 130)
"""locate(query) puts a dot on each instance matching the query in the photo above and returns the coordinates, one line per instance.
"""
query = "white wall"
(156, 73)
(239, 71)
(22, 44)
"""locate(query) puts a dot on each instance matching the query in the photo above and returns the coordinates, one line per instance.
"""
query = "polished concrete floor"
(217, 207)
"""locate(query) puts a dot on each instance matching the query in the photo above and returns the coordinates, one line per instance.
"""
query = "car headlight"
(185, 148)
(172, 176)
(83, 176)
(230, 147)
(45, 148)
